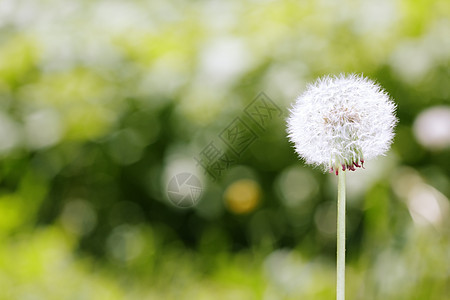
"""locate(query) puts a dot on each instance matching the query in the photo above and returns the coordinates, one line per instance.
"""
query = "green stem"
(340, 269)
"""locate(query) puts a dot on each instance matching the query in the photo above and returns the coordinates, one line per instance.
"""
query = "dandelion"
(340, 122)
(337, 124)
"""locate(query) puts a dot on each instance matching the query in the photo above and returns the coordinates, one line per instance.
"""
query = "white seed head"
(341, 121)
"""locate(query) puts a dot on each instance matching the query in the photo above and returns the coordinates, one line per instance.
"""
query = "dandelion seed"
(340, 122)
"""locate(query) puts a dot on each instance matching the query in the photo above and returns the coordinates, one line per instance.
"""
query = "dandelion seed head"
(342, 121)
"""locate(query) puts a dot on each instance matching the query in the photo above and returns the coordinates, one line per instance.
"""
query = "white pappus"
(341, 121)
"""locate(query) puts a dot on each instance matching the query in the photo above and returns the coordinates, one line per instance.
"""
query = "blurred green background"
(103, 102)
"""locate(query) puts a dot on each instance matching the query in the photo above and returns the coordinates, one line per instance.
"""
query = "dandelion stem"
(340, 268)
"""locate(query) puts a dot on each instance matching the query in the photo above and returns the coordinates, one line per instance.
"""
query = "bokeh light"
(242, 196)
(432, 128)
